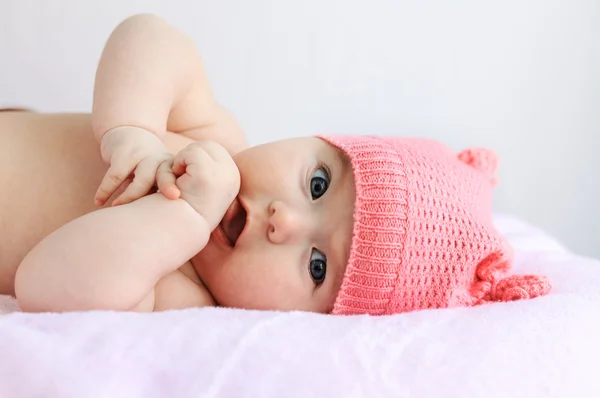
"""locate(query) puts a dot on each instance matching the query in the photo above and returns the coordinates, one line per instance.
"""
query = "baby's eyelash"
(327, 171)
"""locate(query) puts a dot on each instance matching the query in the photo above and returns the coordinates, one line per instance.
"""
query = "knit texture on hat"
(423, 234)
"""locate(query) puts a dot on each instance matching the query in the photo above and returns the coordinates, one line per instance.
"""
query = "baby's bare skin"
(51, 166)
(193, 244)
(150, 78)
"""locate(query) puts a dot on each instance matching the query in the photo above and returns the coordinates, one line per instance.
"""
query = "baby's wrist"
(206, 215)
(201, 219)
(182, 211)
(115, 133)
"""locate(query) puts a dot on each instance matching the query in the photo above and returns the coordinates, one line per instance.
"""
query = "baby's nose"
(285, 222)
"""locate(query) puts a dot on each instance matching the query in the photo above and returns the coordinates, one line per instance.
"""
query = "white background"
(522, 77)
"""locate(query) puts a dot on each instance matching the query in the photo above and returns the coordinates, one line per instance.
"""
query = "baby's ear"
(481, 159)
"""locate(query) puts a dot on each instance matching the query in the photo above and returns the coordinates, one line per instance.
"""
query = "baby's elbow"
(141, 21)
(28, 291)
(37, 290)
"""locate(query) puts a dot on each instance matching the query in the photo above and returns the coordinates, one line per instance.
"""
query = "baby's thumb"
(166, 180)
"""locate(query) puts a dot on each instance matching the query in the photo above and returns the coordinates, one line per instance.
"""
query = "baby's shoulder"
(180, 289)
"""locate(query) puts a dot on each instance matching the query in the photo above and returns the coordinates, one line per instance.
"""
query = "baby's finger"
(179, 163)
(188, 159)
(143, 181)
(165, 179)
(113, 179)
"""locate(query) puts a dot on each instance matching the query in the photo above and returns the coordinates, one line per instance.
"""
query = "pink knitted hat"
(423, 234)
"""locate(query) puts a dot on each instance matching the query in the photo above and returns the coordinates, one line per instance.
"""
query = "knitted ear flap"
(481, 159)
(494, 286)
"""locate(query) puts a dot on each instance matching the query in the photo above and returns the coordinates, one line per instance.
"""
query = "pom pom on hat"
(482, 159)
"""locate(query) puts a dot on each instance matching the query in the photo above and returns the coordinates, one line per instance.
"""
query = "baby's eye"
(319, 183)
(317, 267)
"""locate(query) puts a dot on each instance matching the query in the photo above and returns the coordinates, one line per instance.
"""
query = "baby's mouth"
(234, 221)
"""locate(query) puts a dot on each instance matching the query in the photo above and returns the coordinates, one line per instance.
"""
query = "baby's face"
(284, 243)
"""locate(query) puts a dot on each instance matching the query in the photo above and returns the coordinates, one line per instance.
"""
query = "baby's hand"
(133, 152)
(207, 177)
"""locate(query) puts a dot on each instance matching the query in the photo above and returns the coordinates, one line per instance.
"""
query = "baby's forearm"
(111, 258)
(148, 70)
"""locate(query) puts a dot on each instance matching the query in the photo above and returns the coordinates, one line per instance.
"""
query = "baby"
(155, 202)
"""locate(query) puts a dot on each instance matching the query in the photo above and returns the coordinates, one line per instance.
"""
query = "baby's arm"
(112, 258)
(151, 76)
(150, 79)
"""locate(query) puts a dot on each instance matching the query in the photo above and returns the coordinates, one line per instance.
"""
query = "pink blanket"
(547, 347)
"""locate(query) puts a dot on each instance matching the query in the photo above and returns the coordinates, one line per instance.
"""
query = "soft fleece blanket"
(546, 347)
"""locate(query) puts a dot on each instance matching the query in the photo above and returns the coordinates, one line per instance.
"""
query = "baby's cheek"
(285, 291)
(255, 289)
(266, 285)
